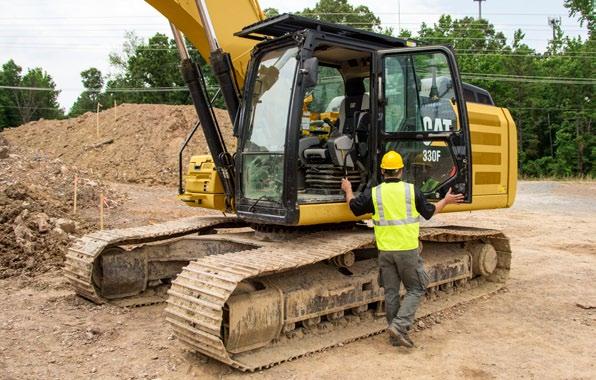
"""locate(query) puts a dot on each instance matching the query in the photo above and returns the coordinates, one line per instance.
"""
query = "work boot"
(393, 341)
(408, 339)
(401, 339)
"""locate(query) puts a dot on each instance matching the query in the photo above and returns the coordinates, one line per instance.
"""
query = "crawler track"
(203, 296)
(81, 265)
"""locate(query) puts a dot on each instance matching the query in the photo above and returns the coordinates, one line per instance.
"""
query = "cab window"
(418, 94)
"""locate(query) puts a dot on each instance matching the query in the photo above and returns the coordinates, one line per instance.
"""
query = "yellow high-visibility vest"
(396, 220)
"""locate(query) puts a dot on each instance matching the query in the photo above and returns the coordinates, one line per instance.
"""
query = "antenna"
(553, 22)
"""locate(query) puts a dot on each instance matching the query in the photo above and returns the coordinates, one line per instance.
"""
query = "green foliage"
(270, 12)
(341, 12)
(93, 82)
(22, 106)
(584, 11)
(553, 120)
(10, 75)
(146, 66)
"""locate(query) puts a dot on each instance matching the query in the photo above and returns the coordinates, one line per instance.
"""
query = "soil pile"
(36, 204)
(135, 143)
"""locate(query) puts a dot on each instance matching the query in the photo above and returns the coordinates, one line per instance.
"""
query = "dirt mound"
(36, 210)
(136, 142)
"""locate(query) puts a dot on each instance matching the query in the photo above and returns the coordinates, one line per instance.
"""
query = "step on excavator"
(287, 269)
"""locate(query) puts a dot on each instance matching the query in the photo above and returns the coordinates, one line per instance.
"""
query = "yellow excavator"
(287, 269)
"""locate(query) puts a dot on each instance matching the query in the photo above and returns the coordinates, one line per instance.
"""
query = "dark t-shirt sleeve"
(424, 207)
(362, 204)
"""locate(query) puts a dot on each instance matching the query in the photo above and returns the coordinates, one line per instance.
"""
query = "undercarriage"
(253, 299)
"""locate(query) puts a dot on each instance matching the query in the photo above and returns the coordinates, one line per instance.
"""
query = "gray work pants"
(406, 267)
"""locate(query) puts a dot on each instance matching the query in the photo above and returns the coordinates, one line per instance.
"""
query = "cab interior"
(335, 126)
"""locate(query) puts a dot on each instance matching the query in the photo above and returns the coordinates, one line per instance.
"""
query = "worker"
(395, 219)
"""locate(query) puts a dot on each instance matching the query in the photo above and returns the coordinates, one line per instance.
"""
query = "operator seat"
(354, 103)
(356, 100)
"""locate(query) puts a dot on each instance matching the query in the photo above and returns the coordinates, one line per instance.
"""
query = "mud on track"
(534, 328)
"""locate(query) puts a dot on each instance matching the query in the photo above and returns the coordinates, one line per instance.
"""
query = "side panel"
(202, 185)
(494, 158)
(228, 17)
(324, 213)
(512, 158)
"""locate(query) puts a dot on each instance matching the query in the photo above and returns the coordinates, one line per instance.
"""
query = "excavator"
(287, 269)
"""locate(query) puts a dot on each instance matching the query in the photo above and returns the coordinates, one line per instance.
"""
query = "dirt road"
(532, 329)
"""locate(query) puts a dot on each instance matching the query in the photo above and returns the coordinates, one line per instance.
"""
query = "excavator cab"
(323, 101)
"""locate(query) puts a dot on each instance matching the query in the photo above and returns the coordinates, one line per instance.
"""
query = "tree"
(38, 98)
(150, 71)
(341, 12)
(584, 10)
(554, 120)
(93, 82)
(10, 75)
(34, 104)
(270, 12)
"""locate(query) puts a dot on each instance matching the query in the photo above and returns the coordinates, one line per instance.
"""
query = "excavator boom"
(227, 18)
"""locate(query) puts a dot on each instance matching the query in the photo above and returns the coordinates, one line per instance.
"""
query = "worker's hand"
(453, 198)
(346, 186)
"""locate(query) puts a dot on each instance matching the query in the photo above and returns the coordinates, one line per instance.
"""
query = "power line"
(96, 47)
(38, 108)
(477, 52)
(528, 76)
(117, 33)
(103, 26)
(548, 108)
(426, 14)
(478, 76)
(307, 13)
(526, 55)
(106, 90)
(528, 80)
(577, 110)
(124, 28)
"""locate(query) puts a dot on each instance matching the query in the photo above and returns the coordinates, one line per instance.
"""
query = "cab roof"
(287, 23)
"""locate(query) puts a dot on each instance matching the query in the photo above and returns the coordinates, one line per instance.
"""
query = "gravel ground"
(534, 328)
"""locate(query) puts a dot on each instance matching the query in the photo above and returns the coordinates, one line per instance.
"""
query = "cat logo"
(439, 125)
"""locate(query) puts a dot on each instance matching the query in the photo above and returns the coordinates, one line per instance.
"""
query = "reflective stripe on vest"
(396, 220)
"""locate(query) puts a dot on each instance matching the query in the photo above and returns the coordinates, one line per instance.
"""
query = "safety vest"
(396, 220)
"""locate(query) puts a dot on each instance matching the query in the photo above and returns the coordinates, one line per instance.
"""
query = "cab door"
(422, 115)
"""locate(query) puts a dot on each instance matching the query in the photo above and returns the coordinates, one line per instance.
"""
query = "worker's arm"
(346, 186)
(427, 209)
(450, 198)
(360, 205)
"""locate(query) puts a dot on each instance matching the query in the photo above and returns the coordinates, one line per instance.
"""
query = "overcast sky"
(65, 37)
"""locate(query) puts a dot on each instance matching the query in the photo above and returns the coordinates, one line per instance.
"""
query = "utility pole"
(553, 22)
(550, 135)
(398, 18)
(479, 8)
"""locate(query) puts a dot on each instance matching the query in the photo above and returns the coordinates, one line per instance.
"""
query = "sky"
(65, 37)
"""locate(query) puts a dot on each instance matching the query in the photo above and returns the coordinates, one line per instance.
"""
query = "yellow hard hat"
(392, 161)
